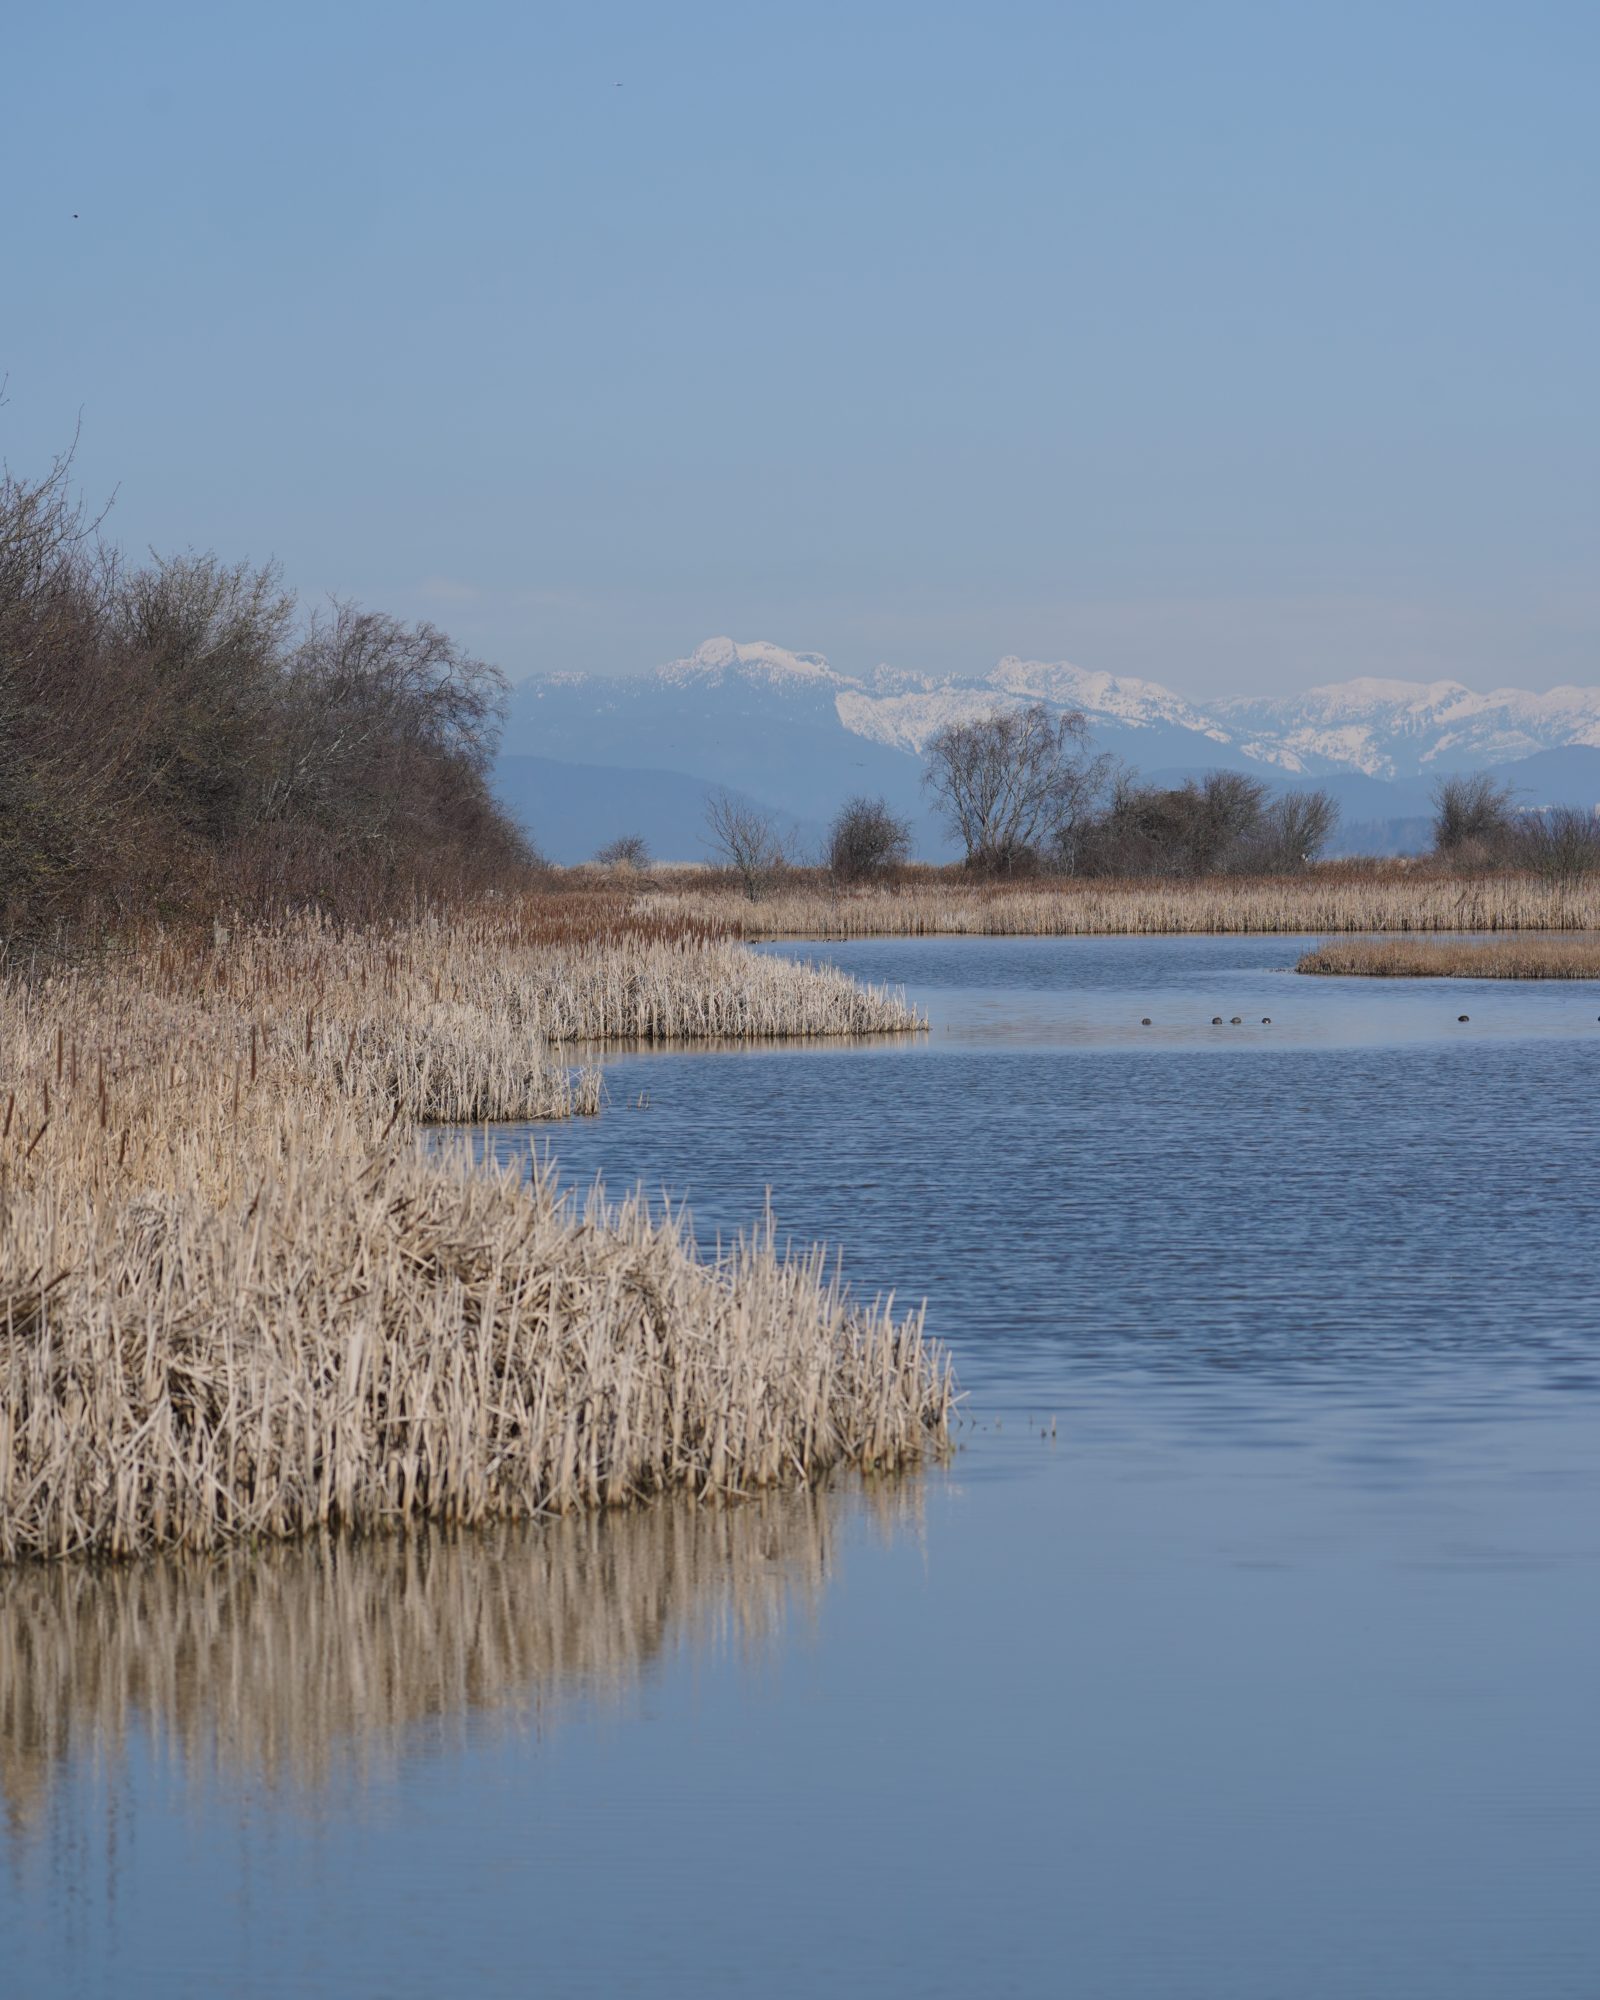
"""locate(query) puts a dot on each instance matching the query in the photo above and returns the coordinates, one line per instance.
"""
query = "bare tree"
(866, 838)
(1009, 783)
(745, 839)
(628, 850)
(1292, 832)
(1471, 811)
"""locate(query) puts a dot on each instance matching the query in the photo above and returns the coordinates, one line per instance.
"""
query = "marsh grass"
(1450, 958)
(239, 1300)
(1337, 897)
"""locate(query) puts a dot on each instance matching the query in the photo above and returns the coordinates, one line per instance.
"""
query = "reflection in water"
(290, 1664)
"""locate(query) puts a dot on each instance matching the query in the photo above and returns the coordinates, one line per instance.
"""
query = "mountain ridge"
(1381, 727)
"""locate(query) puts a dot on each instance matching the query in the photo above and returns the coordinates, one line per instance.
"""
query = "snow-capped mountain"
(896, 708)
(1382, 728)
(789, 729)
(1395, 729)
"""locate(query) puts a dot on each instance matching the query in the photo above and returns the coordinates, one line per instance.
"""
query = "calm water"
(1272, 1673)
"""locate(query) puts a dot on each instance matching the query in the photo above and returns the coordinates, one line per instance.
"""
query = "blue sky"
(1241, 346)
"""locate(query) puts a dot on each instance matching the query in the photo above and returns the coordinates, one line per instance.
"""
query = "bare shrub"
(1472, 816)
(866, 840)
(1291, 833)
(1560, 842)
(746, 839)
(628, 850)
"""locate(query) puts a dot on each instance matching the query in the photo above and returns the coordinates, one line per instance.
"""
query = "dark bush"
(1224, 823)
(866, 840)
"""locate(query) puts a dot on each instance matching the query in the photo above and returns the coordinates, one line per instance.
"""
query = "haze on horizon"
(1239, 348)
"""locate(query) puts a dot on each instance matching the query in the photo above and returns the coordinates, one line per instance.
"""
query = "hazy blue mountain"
(752, 718)
(1565, 777)
(572, 810)
(785, 728)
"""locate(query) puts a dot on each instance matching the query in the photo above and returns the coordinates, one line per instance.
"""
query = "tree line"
(177, 736)
(1023, 793)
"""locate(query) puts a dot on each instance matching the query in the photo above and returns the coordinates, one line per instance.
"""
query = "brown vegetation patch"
(1449, 958)
(1338, 896)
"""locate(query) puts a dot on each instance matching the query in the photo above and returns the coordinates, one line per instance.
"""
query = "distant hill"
(1565, 777)
(588, 756)
(572, 810)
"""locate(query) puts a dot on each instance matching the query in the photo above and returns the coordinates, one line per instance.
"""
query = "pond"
(1246, 1647)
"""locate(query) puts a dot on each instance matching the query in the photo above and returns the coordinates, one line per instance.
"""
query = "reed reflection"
(295, 1665)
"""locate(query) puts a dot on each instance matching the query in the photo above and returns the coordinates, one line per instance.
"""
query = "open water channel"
(1249, 1645)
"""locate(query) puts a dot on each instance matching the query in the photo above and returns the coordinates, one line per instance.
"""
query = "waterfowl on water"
(1266, 1020)
(1463, 1017)
(1145, 1022)
(1236, 1022)
(1216, 1020)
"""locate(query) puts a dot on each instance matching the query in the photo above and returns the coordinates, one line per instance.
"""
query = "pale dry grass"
(293, 1665)
(1333, 899)
(238, 1300)
(1424, 958)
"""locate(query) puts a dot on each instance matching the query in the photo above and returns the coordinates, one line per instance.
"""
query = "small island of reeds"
(1524, 956)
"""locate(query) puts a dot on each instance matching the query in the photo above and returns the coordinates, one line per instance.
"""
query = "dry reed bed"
(168, 1067)
(294, 1665)
(1323, 900)
(238, 1300)
(1424, 958)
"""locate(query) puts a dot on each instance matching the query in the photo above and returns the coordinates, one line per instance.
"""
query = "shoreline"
(241, 1298)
